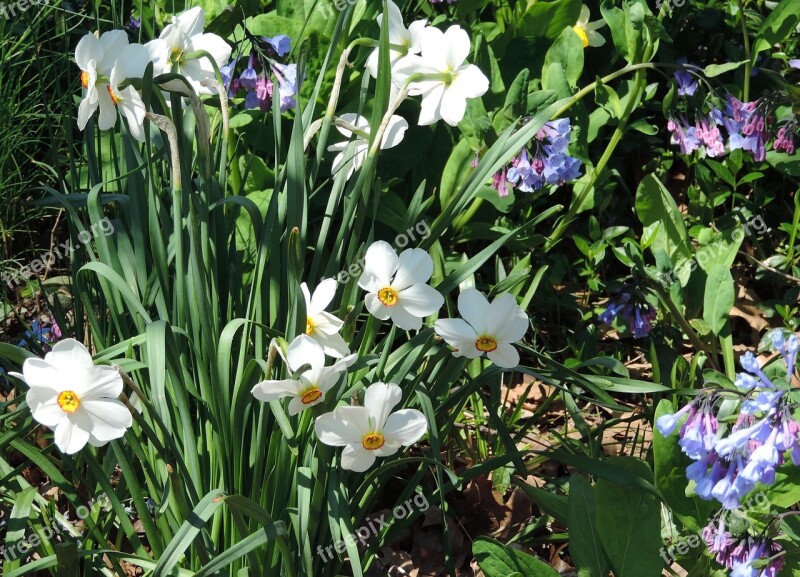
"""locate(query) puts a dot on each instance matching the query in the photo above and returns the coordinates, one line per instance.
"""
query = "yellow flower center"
(372, 441)
(114, 97)
(582, 35)
(310, 328)
(388, 296)
(68, 401)
(176, 55)
(310, 395)
(486, 344)
(85, 79)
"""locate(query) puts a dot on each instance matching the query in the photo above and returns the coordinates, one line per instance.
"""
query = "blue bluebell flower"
(687, 82)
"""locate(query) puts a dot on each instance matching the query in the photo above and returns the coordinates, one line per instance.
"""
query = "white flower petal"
(333, 429)
(71, 435)
(435, 48)
(190, 22)
(453, 106)
(415, 266)
(69, 354)
(86, 109)
(405, 427)
(404, 319)
(456, 332)
(381, 262)
(112, 42)
(108, 111)
(503, 318)
(323, 295)
(420, 300)
(110, 418)
(415, 31)
(504, 356)
(395, 132)
(326, 323)
(105, 382)
(431, 106)
(356, 458)
(474, 308)
(379, 400)
(458, 47)
(219, 50)
(304, 350)
(88, 52)
(333, 344)
(470, 81)
(48, 413)
(270, 390)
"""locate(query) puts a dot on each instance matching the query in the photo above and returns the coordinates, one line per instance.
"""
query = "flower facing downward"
(447, 80)
(309, 387)
(96, 57)
(75, 398)
(322, 326)
(396, 286)
(587, 31)
(393, 136)
(373, 430)
(485, 328)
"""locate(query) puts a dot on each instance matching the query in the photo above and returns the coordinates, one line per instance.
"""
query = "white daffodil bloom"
(322, 326)
(448, 80)
(396, 286)
(308, 388)
(185, 36)
(131, 63)
(96, 57)
(373, 430)
(409, 38)
(394, 134)
(587, 31)
(485, 328)
(75, 398)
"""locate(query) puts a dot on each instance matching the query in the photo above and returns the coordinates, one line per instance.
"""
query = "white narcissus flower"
(395, 131)
(131, 63)
(485, 328)
(587, 31)
(450, 80)
(75, 398)
(322, 326)
(373, 430)
(409, 38)
(96, 57)
(308, 388)
(396, 286)
(185, 36)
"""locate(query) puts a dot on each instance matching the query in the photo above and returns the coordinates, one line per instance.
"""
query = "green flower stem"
(748, 64)
(638, 87)
(687, 328)
(461, 221)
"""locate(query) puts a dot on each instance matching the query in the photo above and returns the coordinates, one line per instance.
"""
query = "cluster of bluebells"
(256, 79)
(746, 556)
(43, 332)
(730, 460)
(739, 125)
(638, 313)
(545, 162)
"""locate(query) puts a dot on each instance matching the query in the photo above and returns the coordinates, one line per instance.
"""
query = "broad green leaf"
(716, 69)
(549, 19)
(497, 560)
(658, 212)
(584, 542)
(629, 523)
(778, 26)
(719, 297)
(567, 50)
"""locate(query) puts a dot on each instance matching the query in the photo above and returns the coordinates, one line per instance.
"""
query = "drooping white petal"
(504, 356)
(395, 132)
(71, 435)
(219, 50)
(86, 109)
(405, 427)
(431, 106)
(304, 350)
(270, 390)
(404, 319)
(595, 38)
(356, 120)
(583, 19)
(379, 400)
(132, 107)
(381, 262)
(108, 111)
(356, 458)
